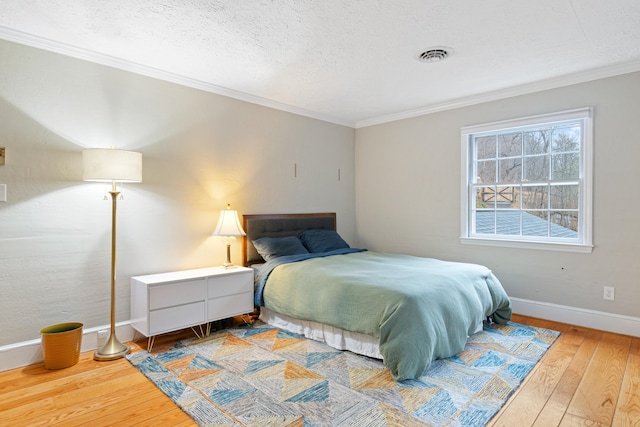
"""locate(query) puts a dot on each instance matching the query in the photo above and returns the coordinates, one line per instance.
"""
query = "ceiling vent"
(436, 54)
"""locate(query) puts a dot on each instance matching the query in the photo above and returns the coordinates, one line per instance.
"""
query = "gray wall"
(200, 152)
(408, 196)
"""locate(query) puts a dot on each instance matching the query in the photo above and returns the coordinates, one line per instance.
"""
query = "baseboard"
(29, 352)
(626, 325)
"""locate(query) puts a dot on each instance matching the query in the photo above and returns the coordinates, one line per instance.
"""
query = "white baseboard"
(610, 322)
(29, 352)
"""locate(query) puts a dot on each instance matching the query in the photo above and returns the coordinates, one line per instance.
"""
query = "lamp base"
(112, 350)
(228, 263)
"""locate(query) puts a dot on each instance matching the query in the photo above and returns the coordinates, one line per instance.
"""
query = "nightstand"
(168, 302)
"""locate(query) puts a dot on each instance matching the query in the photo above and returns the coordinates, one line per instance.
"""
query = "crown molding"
(567, 80)
(111, 61)
(133, 67)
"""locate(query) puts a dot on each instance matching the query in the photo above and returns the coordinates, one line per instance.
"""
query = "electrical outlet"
(609, 293)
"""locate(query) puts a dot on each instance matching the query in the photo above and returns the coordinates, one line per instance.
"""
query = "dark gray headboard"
(279, 225)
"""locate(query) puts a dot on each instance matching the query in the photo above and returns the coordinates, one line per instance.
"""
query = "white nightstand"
(167, 302)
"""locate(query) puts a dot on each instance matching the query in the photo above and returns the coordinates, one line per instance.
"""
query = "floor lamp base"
(112, 350)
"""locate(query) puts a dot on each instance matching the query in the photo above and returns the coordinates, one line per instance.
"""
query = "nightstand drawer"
(223, 307)
(229, 284)
(176, 294)
(172, 318)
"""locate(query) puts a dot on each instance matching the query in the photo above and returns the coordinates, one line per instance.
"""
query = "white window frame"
(585, 230)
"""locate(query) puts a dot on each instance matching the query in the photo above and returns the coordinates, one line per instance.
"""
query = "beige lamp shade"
(107, 165)
(229, 224)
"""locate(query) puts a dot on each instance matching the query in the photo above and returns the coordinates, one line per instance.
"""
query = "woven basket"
(61, 345)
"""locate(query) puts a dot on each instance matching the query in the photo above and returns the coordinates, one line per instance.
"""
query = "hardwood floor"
(89, 393)
(587, 378)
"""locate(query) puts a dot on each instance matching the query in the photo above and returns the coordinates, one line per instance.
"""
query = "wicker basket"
(61, 345)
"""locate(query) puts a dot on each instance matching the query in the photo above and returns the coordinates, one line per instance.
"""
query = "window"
(527, 182)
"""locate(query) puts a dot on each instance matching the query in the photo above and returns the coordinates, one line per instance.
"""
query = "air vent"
(436, 54)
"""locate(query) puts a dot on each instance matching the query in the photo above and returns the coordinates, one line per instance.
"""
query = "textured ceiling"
(353, 62)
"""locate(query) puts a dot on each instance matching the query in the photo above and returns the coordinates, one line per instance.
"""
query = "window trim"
(585, 244)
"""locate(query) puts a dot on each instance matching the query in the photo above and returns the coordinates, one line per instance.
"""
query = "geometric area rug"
(259, 375)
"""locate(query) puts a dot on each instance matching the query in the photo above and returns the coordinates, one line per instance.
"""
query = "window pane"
(508, 222)
(485, 197)
(564, 224)
(564, 196)
(566, 139)
(510, 144)
(485, 222)
(510, 170)
(537, 142)
(534, 223)
(565, 166)
(534, 196)
(486, 171)
(486, 147)
(507, 198)
(536, 168)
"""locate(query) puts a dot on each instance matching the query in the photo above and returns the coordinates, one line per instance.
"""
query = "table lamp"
(229, 227)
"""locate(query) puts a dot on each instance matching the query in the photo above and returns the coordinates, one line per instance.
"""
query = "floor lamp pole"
(113, 349)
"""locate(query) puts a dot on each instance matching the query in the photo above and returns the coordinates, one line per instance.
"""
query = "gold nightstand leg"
(150, 343)
(198, 335)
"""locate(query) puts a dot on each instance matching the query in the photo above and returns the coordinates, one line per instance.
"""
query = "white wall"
(408, 196)
(200, 152)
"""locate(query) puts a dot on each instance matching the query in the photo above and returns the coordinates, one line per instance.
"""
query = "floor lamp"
(111, 165)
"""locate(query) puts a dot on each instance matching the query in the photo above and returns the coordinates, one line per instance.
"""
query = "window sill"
(521, 244)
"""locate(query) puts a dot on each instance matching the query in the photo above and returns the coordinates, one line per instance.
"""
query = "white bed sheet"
(332, 336)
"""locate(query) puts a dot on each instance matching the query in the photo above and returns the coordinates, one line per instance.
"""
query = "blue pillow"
(322, 241)
(273, 247)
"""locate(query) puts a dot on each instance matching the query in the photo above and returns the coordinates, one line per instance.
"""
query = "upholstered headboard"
(279, 225)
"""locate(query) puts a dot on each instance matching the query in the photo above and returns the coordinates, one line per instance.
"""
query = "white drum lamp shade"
(106, 165)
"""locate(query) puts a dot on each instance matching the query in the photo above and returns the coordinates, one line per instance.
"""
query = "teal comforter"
(419, 309)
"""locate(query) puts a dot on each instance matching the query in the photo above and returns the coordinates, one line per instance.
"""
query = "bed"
(405, 310)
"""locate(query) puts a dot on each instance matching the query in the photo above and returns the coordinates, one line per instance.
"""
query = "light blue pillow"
(322, 241)
(274, 247)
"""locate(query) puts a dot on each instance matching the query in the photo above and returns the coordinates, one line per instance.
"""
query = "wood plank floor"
(587, 378)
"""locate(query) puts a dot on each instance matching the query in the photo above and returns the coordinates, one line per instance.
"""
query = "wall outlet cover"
(609, 293)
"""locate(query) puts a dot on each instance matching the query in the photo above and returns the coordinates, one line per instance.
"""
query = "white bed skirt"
(334, 337)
